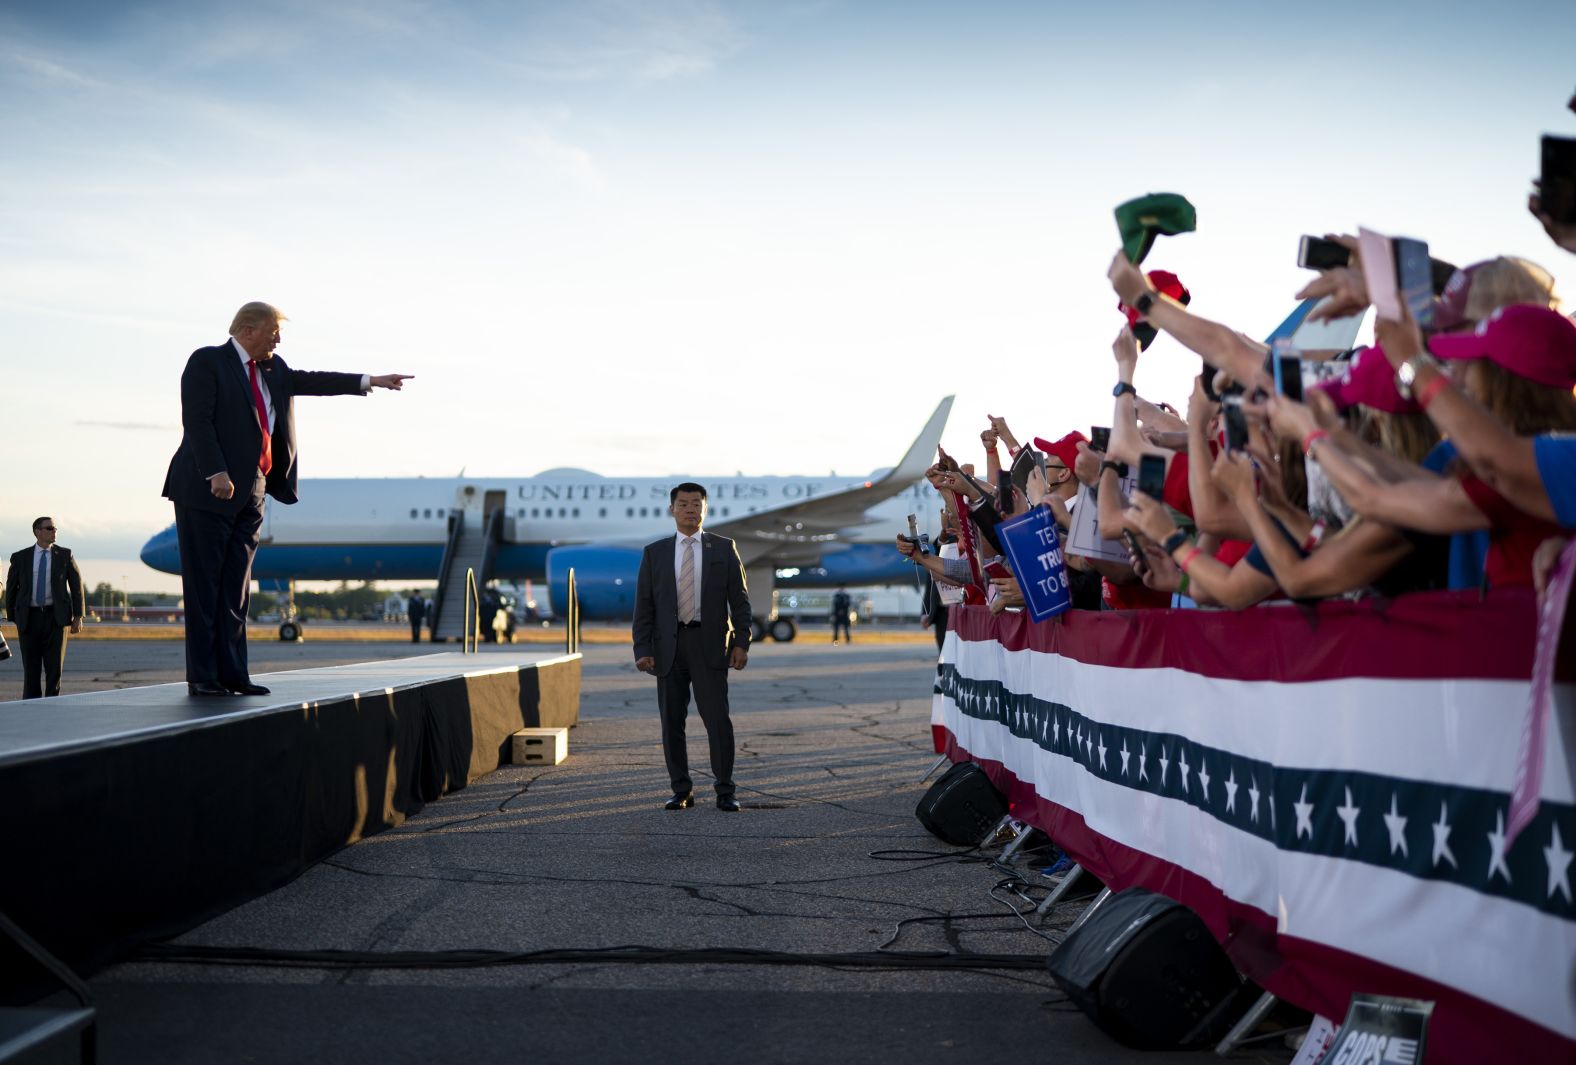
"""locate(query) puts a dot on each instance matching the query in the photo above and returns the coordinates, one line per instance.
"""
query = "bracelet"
(1012, 452)
(1187, 559)
(1313, 438)
(1315, 535)
(1170, 544)
(1119, 467)
(1432, 389)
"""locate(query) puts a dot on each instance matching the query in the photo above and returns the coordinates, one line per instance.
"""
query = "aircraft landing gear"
(289, 621)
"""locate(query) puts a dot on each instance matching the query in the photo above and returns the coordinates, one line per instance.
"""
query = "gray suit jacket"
(724, 602)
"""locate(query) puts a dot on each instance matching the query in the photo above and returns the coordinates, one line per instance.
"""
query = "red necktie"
(265, 461)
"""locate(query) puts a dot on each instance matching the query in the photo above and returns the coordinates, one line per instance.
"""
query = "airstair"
(472, 547)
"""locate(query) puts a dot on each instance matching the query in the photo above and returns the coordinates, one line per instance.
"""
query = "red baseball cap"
(1530, 341)
(1065, 449)
(1165, 283)
(1369, 381)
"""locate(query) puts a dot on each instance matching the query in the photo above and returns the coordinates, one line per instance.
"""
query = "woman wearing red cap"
(1520, 363)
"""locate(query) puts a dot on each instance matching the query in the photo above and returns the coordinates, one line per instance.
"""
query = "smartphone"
(1236, 423)
(1414, 277)
(1004, 493)
(1099, 438)
(1286, 367)
(1027, 462)
(1152, 477)
(996, 569)
(1316, 253)
(1379, 273)
(1145, 334)
(1557, 186)
(1132, 541)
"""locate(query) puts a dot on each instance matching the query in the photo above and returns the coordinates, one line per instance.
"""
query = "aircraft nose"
(162, 552)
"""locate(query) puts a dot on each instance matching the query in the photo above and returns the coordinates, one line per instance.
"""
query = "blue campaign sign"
(1032, 546)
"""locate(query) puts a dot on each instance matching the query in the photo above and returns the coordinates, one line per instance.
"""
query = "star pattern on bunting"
(1395, 824)
(1442, 839)
(1304, 810)
(1348, 815)
(1496, 849)
(1559, 863)
(1515, 870)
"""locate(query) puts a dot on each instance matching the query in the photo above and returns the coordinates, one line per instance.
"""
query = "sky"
(655, 237)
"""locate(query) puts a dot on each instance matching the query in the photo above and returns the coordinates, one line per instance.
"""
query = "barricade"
(1327, 787)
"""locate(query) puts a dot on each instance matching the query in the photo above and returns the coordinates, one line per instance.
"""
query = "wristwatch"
(1406, 376)
(1144, 302)
(1119, 467)
(1121, 387)
(1174, 541)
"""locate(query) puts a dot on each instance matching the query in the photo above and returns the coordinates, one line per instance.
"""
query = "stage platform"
(135, 814)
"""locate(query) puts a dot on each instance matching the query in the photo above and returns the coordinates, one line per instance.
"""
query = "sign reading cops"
(1380, 1030)
(1036, 554)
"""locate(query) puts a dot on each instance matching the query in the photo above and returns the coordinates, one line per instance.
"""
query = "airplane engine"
(604, 576)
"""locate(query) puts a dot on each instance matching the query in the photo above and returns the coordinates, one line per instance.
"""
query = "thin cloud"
(133, 426)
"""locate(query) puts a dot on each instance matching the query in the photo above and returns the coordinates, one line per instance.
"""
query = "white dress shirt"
(268, 400)
(678, 564)
(41, 559)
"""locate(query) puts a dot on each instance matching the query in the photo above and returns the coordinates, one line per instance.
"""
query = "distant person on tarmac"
(416, 610)
(43, 595)
(842, 606)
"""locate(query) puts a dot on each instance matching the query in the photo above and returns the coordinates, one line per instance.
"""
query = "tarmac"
(832, 744)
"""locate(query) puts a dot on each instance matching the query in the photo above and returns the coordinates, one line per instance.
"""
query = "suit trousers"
(690, 672)
(216, 579)
(43, 652)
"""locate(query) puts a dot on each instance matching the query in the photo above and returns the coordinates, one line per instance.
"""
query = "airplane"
(792, 531)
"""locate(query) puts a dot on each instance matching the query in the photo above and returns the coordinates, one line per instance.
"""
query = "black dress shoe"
(207, 688)
(727, 804)
(679, 802)
(247, 689)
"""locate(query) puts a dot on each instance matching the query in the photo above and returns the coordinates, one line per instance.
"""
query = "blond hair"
(255, 313)
(1506, 280)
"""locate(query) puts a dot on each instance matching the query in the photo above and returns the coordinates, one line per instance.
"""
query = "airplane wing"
(799, 532)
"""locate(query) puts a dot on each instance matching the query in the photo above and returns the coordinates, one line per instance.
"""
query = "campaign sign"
(1036, 553)
(1380, 1030)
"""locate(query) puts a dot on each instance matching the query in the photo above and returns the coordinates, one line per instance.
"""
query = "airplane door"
(494, 501)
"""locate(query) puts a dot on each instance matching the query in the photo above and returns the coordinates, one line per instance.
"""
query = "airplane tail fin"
(922, 452)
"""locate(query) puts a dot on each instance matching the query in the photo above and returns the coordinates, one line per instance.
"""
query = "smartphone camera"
(1236, 422)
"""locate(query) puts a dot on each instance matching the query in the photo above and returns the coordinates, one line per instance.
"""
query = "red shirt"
(1514, 536)
(1135, 596)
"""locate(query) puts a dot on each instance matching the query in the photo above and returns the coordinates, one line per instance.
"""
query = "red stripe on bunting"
(1429, 635)
(1464, 1029)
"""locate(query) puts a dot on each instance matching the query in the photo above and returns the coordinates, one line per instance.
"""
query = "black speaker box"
(1147, 970)
(962, 807)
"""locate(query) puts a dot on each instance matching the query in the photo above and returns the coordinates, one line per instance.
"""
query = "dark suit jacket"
(724, 602)
(221, 431)
(63, 575)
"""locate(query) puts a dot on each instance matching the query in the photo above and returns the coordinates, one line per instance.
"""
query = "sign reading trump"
(1035, 551)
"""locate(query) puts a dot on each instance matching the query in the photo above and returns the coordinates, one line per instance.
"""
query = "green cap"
(1141, 220)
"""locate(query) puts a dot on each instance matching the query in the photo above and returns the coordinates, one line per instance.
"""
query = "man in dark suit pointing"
(238, 444)
(43, 595)
(692, 623)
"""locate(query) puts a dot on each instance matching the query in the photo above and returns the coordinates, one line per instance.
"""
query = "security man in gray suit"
(43, 595)
(692, 623)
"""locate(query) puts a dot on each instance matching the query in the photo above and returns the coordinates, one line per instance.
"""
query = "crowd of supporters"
(1443, 456)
